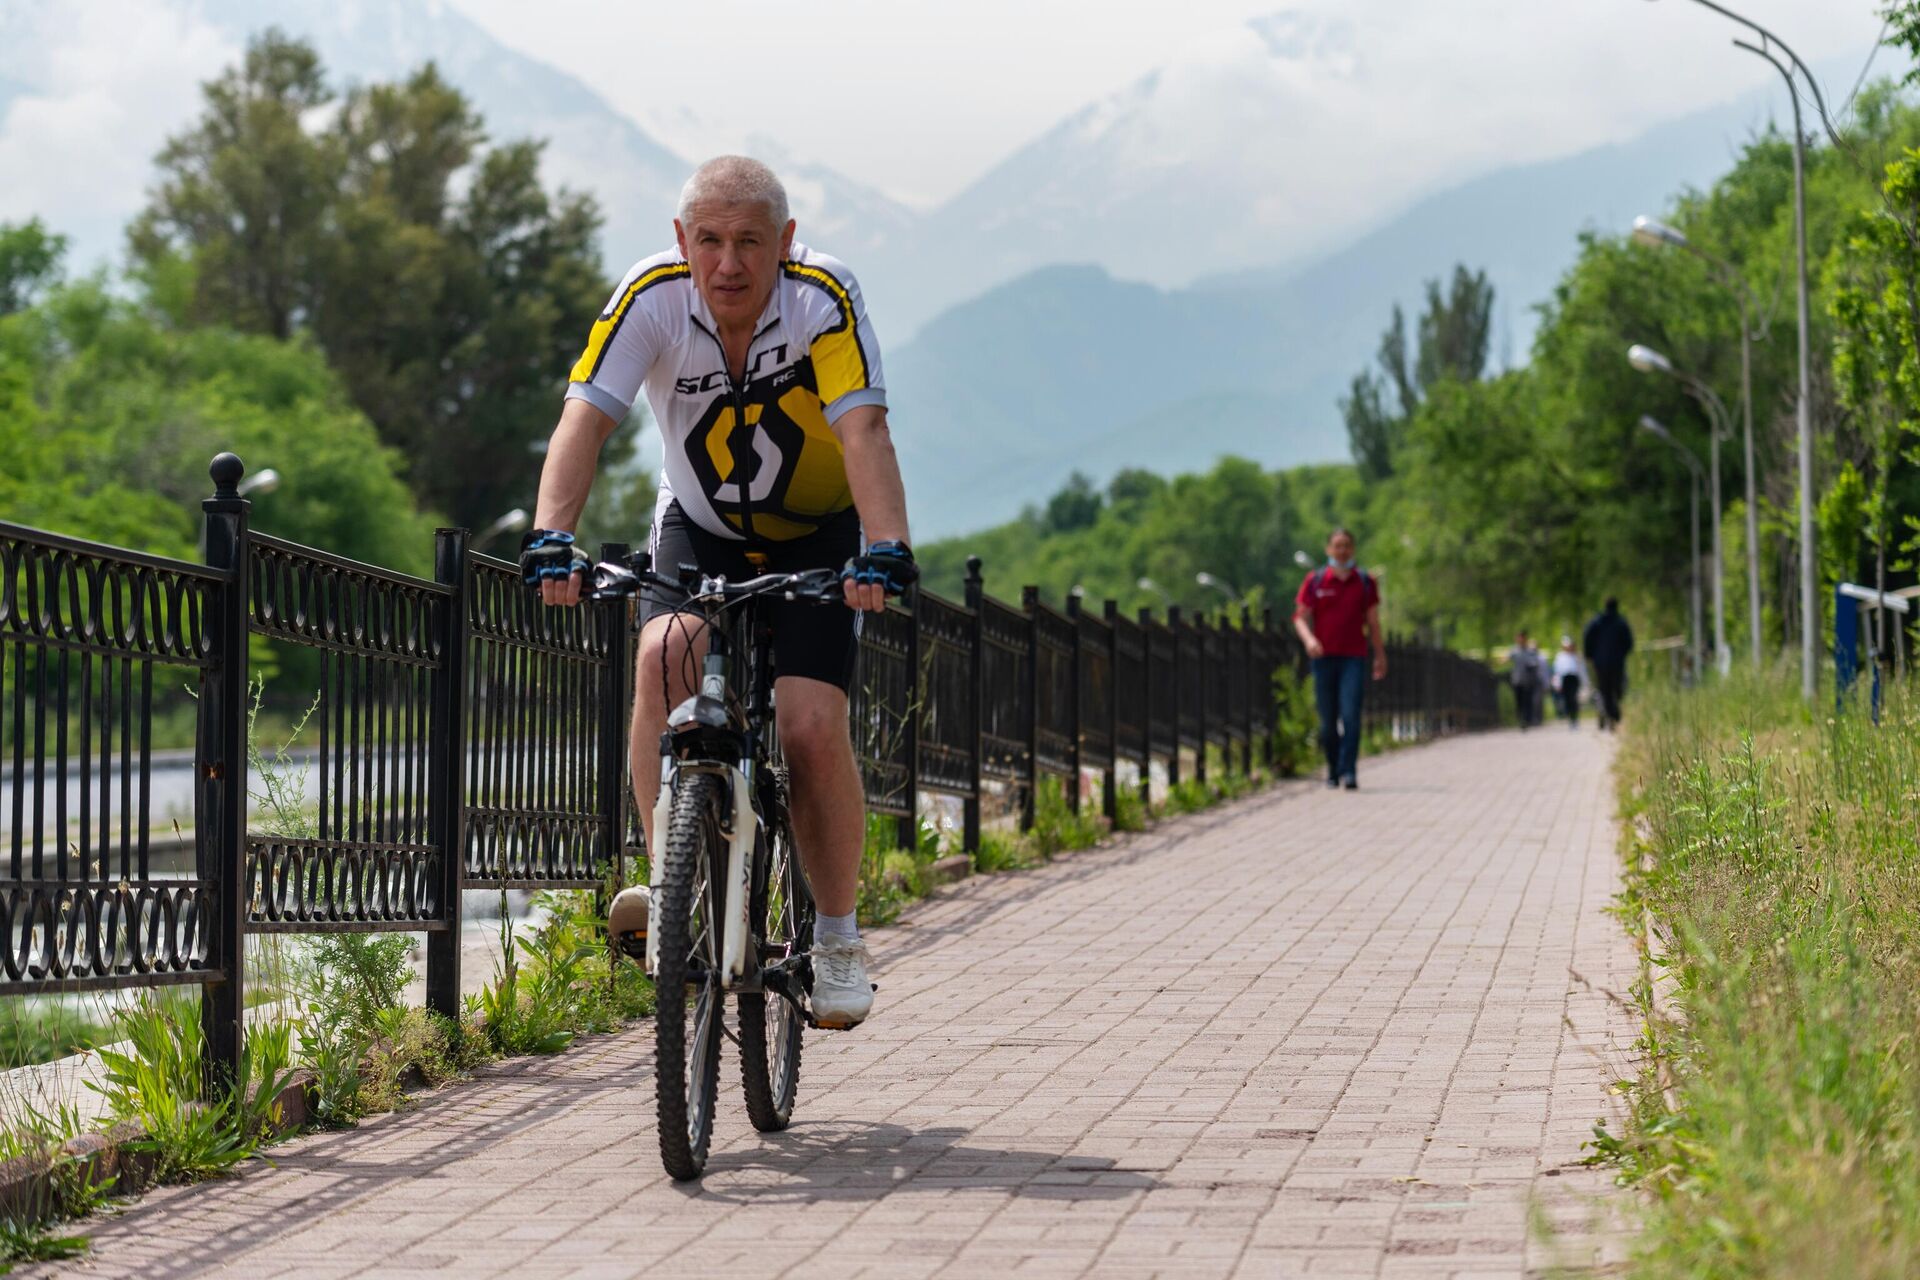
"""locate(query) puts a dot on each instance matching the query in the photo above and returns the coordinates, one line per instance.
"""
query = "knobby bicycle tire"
(687, 1077)
(770, 1027)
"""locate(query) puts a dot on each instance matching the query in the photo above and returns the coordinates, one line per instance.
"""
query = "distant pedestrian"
(1567, 673)
(1337, 616)
(1528, 674)
(1607, 642)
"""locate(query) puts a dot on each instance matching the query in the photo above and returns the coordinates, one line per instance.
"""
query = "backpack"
(1320, 576)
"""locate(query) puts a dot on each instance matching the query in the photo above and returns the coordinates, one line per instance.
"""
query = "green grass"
(1056, 827)
(1004, 850)
(1783, 874)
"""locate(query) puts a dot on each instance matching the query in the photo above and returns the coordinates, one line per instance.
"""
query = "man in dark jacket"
(1607, 642)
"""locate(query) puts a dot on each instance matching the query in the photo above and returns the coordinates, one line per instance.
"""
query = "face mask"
(1341, 565)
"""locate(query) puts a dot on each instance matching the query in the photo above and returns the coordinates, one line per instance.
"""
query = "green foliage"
(412, 1044)
(568, 985)
(1004, 850)
(882, 895)
(1839, 522)
(1189, 795)
(32, 1030)
(1777, 858)
(1296, 723)
(157, 1081)
(446, 286)
(1237, 521)
(24, 1241)
(108, 420)
(1452, 346)
(348, 985)
(1056, 827)
(29, 261)
(66, 1190)
(1129, 809)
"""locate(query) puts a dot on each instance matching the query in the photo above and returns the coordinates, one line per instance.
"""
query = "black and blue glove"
(548, 555)
(888, 563)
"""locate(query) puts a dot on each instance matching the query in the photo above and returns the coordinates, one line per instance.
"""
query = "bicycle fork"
(736, 891)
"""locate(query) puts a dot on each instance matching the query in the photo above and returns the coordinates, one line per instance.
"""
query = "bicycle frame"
(706, 734)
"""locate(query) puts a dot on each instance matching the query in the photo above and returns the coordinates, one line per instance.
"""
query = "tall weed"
(157, 1081)
(1056, 827)
(1776, 854)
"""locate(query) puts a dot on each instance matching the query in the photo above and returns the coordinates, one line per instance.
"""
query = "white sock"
(835, 926)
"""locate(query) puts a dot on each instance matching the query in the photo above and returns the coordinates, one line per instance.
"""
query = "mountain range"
(1144, 284)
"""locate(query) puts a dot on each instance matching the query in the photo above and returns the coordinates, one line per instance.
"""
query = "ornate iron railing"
(469, 737)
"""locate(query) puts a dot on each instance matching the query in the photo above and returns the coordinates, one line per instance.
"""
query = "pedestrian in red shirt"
(1337, 614)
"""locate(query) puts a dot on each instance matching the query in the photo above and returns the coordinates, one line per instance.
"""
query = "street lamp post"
(1148, 584)
(511, 522)
(1653, 426)
(1219, 584)
(1768, 41)
(265, 480)
(1648, 231)
(1647, 360)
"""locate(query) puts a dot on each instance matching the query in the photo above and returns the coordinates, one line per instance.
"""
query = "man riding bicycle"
(763, 372)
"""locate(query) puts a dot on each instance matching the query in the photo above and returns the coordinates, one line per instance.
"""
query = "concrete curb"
(955, 866)
(27, 1183)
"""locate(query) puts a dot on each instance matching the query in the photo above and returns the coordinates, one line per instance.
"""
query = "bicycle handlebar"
(617, 580)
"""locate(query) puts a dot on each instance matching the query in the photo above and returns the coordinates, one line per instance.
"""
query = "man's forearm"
(1303, 627)
(573, 454)
(873, 473)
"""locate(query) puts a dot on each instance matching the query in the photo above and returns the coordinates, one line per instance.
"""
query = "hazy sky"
(918, 98)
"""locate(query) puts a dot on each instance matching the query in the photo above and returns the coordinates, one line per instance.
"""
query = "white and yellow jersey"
(757, 459)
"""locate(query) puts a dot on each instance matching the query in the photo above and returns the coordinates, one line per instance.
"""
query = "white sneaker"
(841, 993)
(627, 919)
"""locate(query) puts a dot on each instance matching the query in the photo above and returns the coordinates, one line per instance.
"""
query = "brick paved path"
(1308, 1034)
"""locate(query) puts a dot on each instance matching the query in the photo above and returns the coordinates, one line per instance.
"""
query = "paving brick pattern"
(1308, 1034)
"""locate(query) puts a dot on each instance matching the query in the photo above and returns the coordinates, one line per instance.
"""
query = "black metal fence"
(469, 737)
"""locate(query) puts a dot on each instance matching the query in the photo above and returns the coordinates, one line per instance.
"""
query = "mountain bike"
(730, 911)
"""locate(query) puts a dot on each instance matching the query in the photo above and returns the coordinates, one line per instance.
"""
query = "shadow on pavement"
(849, 1160)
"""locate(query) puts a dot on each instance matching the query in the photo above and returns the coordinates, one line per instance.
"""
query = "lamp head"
(1647, 360)
(1653, 425)
(1656, 234)
(1302, 559)
(266, 480)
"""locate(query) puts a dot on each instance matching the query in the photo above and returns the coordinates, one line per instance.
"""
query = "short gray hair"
(727, 181)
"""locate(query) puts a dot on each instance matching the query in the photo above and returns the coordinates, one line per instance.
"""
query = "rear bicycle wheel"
(770, 1025)
(688, 1002)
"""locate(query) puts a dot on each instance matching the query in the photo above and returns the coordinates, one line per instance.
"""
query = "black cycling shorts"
(819, 642)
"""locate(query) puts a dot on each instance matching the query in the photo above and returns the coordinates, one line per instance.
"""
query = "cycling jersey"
(756, 459)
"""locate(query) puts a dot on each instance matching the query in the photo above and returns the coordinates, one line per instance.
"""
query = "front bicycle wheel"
(770, 1025)
(688, 1002)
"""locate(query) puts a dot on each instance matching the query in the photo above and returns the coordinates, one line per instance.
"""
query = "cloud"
(88, 94)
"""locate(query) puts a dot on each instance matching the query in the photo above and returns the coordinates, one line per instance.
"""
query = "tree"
(108, 421)
(1453, 334)
(447, 287)
(29, 262)
(1076, 506)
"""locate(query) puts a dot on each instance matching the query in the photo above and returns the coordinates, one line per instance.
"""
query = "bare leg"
(829, 802)
(671, 636)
